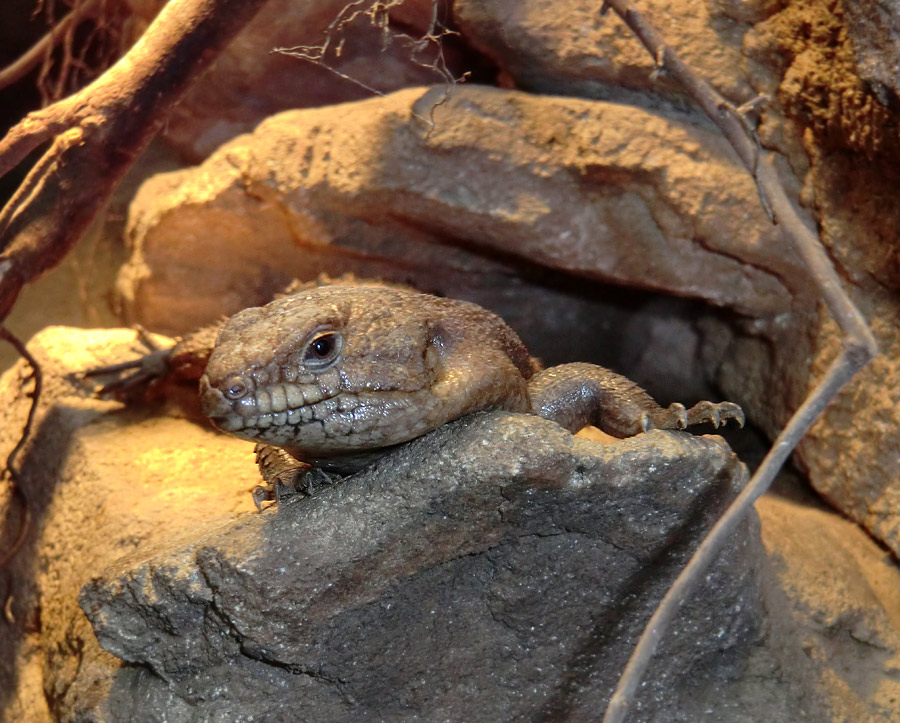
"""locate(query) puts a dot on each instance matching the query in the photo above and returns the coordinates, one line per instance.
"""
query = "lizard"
(329, 379)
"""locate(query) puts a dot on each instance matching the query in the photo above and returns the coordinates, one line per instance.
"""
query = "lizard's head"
(336, 370)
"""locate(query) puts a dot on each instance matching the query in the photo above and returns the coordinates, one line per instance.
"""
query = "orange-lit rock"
(570, 48)
(604, 191)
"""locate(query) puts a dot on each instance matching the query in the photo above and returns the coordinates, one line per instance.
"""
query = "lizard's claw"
(716, 414)
(262, 493)
(679, 414)
(276, 492)
(677, 417)
(153, 365)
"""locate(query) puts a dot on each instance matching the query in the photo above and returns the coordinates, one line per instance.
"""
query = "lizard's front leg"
(575, 395)
(158, 370)
(284, 475)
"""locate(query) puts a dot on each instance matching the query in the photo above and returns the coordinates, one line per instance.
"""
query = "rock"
(802, 59)
(250, 81)
(460, 578)
(101, 482)
(842, 594)
(851, 454)
(805, 60)
(874, 30)
(571, 48)
(600, 190)
(497, 565)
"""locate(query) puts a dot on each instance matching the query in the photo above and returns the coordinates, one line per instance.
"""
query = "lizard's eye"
(236, 388)
(323, 351)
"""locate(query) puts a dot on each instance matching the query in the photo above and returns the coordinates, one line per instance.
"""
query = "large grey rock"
(497, 567)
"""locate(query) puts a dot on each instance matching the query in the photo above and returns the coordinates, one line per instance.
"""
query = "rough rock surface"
(94, 494)
(601, 190)
(460, 579)
(803, 58)
(843, 602)
(498, 562)
(874, 30)
(573, 49)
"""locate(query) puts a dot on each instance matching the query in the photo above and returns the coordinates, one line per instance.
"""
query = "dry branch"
(858, 347)
(98, 133)
(36, 53)
(10, 469)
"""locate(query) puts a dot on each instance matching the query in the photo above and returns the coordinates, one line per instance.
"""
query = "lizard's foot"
(285, 476)
(146, 370)
(274, 492)
(677, 417)
(716, 413)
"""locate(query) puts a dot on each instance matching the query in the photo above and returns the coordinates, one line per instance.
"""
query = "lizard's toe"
(730, 410)
(678, 411)
(262, 493)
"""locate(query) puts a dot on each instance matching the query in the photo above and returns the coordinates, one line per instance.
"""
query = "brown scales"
(329, 379)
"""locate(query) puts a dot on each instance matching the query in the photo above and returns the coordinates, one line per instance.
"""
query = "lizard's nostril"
(236, 388)
(213, 402)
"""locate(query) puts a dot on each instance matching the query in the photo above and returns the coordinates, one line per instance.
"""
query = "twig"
(10, 469)
(19, 68)
(378, 13)
(99, 132)
(858, 348)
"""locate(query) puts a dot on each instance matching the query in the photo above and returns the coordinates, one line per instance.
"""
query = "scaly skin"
(334, 376)
(400, 364)
(328, 379)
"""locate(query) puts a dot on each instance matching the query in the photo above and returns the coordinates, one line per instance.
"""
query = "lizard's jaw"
(344, 422)
(277, 413)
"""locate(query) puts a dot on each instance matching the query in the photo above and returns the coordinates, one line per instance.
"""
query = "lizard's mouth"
(234, 406)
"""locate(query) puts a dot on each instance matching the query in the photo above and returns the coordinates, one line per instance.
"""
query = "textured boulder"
(805, 61)
(101, 482)
(604, 191)
(498, 565)
(842, 603)
(572, 48)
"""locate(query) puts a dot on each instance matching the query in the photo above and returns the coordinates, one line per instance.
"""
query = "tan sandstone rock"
(604, 191)
(572, 48)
